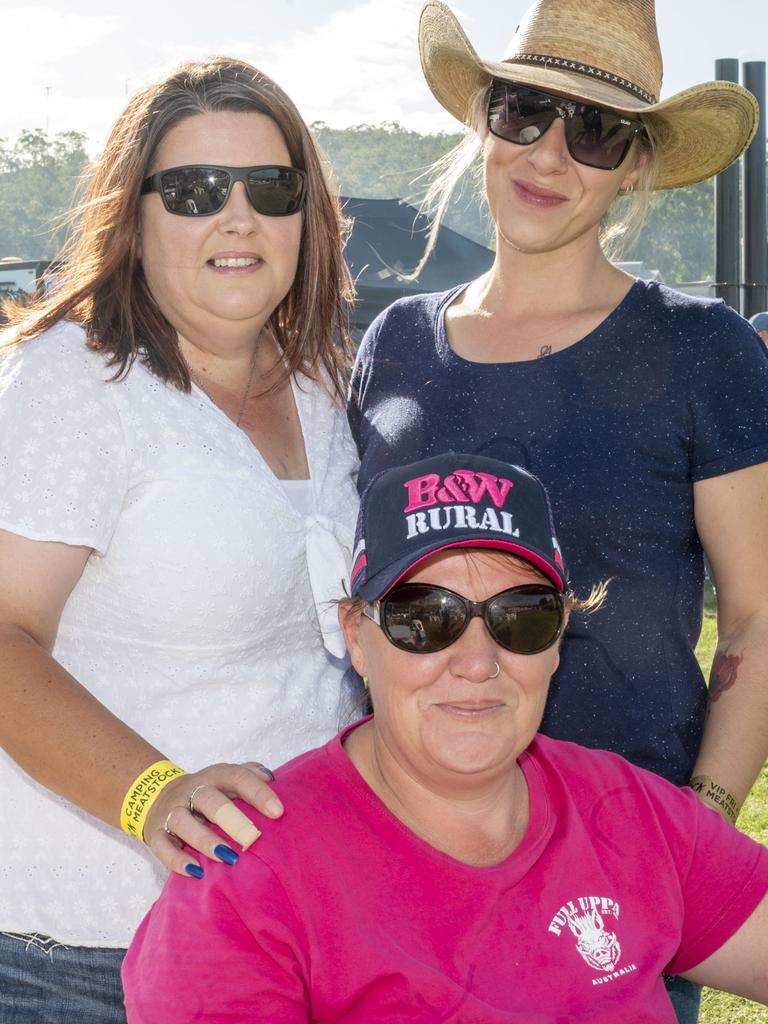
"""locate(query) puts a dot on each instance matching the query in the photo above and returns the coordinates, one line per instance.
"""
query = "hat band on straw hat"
(582, 69)
(564, 47)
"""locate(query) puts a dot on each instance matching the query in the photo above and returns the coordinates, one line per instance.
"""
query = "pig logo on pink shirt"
(599, 948)
(585, 918)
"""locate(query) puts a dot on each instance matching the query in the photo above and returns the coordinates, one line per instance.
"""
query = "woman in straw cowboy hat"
(642, 410)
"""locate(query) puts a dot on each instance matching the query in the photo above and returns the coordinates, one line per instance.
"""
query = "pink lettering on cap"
(421, 491)
(453, 489)
(462, 485)
(478, 484)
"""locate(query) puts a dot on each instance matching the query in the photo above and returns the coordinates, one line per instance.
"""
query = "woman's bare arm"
(63, 737)
(732, 520)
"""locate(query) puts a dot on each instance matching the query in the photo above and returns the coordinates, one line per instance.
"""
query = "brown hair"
(102, 284)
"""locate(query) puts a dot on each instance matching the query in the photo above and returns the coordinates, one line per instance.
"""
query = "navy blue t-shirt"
(666, 391)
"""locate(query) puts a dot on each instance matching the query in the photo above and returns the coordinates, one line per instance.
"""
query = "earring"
(365, 682)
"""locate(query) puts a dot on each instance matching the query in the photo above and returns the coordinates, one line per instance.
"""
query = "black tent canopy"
(387, 241)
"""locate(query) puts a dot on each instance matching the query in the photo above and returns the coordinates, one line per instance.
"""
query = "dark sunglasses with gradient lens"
(595, 136)
(200, 190)
(422, 619)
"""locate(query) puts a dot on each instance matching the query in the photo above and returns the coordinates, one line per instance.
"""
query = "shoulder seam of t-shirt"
(69, 334)
(72, 337)
(722, 338)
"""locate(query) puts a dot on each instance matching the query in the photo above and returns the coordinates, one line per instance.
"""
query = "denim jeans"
(685, 998)
(44, 981)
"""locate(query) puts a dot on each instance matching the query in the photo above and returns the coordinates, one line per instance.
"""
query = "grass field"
(716, 1007)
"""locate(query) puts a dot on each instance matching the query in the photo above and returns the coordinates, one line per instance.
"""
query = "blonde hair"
(622, 223)
(101, 283)
(593, 602)
(626, 215)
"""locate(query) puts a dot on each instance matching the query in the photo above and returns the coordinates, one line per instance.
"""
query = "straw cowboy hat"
(604, 52)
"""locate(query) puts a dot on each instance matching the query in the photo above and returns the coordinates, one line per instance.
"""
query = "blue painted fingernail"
(195, 870)
(226, 853)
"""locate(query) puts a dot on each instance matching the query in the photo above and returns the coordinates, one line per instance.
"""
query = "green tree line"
(39, 179)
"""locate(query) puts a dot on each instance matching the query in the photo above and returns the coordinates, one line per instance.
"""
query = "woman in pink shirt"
(441, 861)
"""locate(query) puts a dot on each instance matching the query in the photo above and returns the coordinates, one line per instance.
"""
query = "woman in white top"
(176, 512)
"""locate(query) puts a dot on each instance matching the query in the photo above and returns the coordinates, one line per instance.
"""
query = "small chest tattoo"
(545, 350)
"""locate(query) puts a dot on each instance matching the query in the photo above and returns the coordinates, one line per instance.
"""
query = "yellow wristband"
(717, 796)
(143, 793)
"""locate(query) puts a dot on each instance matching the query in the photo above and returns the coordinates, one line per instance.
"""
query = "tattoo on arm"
(725, 670)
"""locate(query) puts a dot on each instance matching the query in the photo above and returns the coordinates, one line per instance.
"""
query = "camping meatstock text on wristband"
(717, 796)
(142, 794)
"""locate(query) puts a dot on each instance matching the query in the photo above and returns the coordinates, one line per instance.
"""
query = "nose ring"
(498, 669)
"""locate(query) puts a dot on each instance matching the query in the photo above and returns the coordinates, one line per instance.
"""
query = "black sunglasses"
(422, 619)
(595, 136)
(199, 190)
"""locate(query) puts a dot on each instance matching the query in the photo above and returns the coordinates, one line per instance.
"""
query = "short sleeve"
(723, 876)
(63, 461)
(728, 395)
(222, 950)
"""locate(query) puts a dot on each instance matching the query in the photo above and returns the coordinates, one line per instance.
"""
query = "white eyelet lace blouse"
(202, 618)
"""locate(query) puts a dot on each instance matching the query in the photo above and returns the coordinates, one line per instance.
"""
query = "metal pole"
(755, 225)
(727, 220)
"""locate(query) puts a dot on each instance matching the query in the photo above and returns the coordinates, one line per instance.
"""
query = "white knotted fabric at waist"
(329, 547)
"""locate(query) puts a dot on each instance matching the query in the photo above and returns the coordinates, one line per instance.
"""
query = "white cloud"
(361, 65)
(38, 39)
(40, 44)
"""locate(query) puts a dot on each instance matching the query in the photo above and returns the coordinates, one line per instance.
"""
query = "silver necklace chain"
(195, 377)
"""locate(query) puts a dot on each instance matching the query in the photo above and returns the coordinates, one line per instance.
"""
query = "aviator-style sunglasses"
(200, 190)
(422, 619)
(595, 136)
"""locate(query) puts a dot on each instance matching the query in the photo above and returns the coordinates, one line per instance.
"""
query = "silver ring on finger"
(191, 799)
(166, 824)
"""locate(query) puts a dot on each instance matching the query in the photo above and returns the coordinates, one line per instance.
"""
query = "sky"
(72, 65)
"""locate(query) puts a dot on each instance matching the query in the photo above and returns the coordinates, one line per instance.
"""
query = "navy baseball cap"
(450, 501)
(760, 321)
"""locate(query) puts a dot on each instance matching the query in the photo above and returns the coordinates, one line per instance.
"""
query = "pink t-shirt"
(339, 913)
